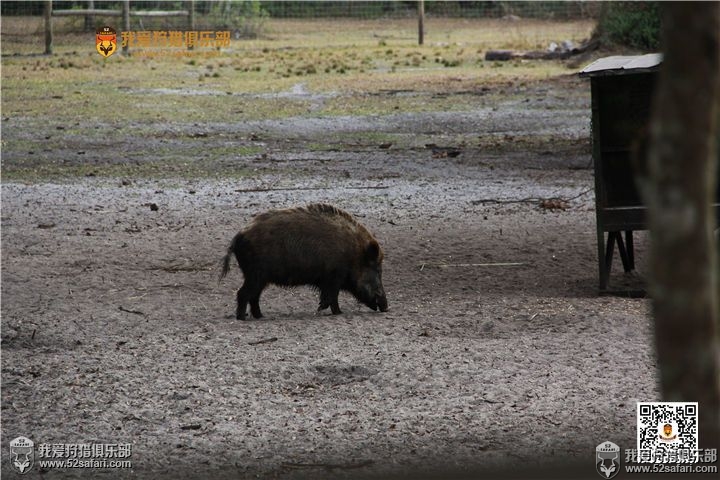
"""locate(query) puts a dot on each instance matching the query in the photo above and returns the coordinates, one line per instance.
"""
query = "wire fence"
(22, 22)
(347, 9)
(468, 9)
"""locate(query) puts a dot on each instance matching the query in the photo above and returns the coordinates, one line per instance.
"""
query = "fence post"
(421, 22)
(47, 13)
(89, 23)
(126, 22)
(191, 14)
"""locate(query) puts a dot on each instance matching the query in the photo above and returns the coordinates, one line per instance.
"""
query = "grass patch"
(356, 141)
(132, 106)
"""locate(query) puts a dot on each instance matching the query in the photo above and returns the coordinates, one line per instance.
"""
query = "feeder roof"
(623, 65)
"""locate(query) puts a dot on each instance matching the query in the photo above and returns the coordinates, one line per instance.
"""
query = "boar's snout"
(379, 301)
(382, 302)
(373, 296)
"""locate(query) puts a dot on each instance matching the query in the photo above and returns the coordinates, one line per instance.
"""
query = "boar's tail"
(226, 264)
(228, 256)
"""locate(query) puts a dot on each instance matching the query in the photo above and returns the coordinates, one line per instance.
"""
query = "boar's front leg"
(255, 306)
(329, 298)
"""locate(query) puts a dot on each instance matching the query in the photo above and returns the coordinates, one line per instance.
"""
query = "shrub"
(245, 18)
(634, 24)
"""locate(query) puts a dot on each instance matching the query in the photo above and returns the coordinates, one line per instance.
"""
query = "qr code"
(667, 432)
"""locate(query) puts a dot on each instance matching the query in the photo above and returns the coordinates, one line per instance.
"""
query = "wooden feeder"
(622, 90)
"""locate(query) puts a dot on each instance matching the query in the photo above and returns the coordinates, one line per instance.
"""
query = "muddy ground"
(496, 354)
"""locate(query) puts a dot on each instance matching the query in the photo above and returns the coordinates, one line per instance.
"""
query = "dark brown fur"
(317, 245)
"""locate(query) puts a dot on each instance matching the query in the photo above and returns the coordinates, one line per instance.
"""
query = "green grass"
(352, 66)
(356, 141)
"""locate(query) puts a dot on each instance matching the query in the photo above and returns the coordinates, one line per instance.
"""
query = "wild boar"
(317, 245)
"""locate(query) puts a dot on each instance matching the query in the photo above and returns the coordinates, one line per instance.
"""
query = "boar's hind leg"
(329, 298)
(249, 292)
(242, 300)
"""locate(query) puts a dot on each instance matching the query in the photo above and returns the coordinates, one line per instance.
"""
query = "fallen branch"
(265, 340)
(505, 55)
(558, 53)
(329, 466)
(271, 189)
(182, 268)
(192, 426)
(447, 265)
(394, 91)
(247, 190)
(530, 199)
(135, 312)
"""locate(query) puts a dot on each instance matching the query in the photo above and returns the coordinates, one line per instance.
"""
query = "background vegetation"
(632, 24)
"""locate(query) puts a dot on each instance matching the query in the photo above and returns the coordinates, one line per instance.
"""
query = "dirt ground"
(496, 354)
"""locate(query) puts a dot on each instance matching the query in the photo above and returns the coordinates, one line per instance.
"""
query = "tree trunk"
(681, 186)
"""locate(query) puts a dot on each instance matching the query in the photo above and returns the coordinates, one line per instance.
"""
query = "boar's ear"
(372, 251)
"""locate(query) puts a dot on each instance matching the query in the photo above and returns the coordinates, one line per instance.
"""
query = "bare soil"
(496, 355)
